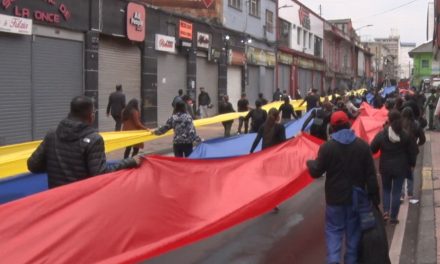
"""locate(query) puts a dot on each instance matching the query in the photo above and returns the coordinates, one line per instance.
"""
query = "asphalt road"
(295, 235)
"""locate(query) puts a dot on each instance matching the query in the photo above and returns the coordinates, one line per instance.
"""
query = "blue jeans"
(409, 185)
(392, 189)
(337, 220)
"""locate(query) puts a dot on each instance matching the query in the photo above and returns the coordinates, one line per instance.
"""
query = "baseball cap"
(339, 118)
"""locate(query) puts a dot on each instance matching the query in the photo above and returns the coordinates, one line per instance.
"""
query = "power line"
(389, 10)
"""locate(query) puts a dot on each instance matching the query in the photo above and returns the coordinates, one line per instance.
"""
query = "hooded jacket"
(73, 152)
(398, 153)
(347, 162)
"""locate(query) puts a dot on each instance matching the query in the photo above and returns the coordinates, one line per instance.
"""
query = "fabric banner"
(133, 215)
(13, 157)
(240, 145)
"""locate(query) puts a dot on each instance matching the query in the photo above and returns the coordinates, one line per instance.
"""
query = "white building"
(405, 62)
(430, 22)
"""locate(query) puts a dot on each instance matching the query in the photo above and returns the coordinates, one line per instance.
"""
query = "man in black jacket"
(348, 163)
(204, 103)
(224, 108)
(116, 103)
(75, 151)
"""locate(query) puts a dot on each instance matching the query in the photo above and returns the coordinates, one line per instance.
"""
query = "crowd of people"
(75, 150)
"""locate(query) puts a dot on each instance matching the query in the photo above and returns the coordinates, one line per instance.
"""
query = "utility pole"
(320, 10)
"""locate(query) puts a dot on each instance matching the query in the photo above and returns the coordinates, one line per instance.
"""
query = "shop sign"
(285, 58)
(135, 22)
(305, 63)
(260, 57)
(165, 43)
(15, 25)
(319, 66)
(185, 30)
(214, 55)
(304, 17)
(186, 44)
(60, 11)
(203, 40)
(236, 58)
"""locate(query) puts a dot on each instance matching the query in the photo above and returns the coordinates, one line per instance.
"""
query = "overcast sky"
(410, 21)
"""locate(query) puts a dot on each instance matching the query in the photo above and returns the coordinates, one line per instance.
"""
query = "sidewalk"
(428, 234)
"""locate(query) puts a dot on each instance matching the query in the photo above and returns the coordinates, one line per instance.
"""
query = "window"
(284, 33)
(305, 39)
(269, 21)
(254, 8)
(425, 64)
(235, 4)
(298, 36)
(318, 47)
(310, 40)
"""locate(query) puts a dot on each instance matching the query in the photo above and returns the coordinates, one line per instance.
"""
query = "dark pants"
(228, 127)
(242, 120)
(392, 189)
(127, 152)
(182, 150)
(339, 220)
(118, 121)
(299, 114)
(431, 119)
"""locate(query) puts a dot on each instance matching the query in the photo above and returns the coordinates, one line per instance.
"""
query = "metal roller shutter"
(171, 76)
(15, 89)
(305, 81)
(254, 84)
(119, 63)
(317, 84)
(207, 76)
(234, 85)
(57, 77)
(284, 77)
(267, 75)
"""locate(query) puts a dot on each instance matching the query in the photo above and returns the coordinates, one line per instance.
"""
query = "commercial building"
(424, 65)
(245, 24)
(300, 48)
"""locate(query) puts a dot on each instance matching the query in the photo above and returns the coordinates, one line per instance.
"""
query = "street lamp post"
(354, 61)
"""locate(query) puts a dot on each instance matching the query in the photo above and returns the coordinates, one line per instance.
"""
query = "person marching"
(131, 121)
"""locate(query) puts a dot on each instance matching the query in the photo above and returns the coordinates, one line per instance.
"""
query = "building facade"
(392, 61)
(423, 63)
(253, 21)
(300, 56)
(42, 47)
(406, 62)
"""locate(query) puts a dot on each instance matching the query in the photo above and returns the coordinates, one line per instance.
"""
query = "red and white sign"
(208, 3)
(185, 30)
(136, 22)
(15, 25)
(165, 43)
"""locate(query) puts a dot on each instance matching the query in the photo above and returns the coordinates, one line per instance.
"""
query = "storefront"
(260, 74)
(171, 75)
(207, 70)
(310, 75)
(236, 61)
(42, 51)
(119, 63)
(285, 62)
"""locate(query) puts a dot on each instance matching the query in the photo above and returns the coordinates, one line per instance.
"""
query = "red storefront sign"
(185, 30)
(62, 11)
(135, 22)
